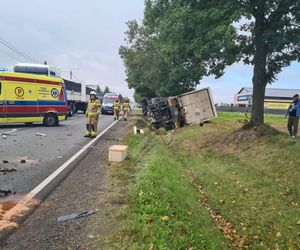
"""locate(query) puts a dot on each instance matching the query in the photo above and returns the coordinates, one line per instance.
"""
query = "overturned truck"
(190, 108)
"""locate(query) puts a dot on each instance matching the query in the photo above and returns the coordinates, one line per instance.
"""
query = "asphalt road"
(42, 154)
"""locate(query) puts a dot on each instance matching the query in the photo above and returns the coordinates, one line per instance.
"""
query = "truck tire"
(50, 120)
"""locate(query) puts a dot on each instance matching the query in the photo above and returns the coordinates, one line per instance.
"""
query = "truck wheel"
(50, 120)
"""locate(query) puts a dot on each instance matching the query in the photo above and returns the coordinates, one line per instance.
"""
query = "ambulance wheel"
(50, 120)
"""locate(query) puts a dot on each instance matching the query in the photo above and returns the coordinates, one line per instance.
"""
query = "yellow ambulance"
(30, 98)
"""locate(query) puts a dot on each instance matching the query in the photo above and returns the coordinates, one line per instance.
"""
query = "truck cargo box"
(197, 106)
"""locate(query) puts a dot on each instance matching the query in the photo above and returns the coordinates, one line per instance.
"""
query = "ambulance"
(31, 98)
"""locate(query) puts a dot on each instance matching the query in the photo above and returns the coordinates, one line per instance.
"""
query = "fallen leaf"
(164, 218)
(278, 234)
(151, 247)
(189, 213)
(298, 223)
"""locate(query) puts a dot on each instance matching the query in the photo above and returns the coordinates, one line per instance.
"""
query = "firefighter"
(116, 108)
(126, 108)
(92, 115)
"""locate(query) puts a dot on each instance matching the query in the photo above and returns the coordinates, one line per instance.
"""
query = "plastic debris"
(9, 132)
(40, 134)
(7, 170)
(5, 192)
(74, 216)
(137, 131)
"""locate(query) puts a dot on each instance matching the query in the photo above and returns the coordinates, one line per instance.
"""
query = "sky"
(85, 36)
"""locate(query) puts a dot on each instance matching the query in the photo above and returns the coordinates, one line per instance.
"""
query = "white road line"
(20, 206)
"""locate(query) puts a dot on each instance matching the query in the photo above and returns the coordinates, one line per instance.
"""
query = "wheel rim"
(50, 121)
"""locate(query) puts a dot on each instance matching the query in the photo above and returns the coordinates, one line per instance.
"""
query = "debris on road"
(4, 137)
(23, 161)
(8, 133)
(74, 216)
(7, 170)
(5, 161)
(5, 192)
(40, 134)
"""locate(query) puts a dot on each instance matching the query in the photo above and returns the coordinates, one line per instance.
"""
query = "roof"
(28, 76)
(273, 92)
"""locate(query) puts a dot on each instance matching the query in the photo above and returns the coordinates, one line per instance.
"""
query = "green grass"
(254, 184)
(162, 190)
(235, 116)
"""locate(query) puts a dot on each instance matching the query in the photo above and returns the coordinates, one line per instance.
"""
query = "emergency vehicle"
(30, 98)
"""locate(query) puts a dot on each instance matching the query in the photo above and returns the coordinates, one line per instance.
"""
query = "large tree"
(207, 36)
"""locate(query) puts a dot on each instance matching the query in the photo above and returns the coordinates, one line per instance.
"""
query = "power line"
(13, 48)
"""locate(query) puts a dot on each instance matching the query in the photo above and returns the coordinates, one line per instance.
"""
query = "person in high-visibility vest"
(97, 118)
(116, 108)
(126, 108)
(92, 115)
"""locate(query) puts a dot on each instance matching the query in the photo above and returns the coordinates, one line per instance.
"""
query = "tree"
(148, 71)
(208, 36)
(106, 90)
(98, 90)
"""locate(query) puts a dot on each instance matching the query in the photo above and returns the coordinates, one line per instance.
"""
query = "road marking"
(20, 206)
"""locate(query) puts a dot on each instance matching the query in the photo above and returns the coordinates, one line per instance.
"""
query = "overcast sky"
(72, 34)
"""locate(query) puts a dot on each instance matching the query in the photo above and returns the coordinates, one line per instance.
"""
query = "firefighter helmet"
(93, 93)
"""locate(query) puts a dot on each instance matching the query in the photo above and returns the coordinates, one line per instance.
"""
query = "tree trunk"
(259, 79)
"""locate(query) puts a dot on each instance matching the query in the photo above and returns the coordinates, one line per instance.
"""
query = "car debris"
(4, 137)
(23, 161)
(5, 192)
(9, 132)
(7, 170)
(74, 216)
(40, 134)
(5, 161)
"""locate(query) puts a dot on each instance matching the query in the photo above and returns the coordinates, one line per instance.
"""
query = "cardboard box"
(118, 153)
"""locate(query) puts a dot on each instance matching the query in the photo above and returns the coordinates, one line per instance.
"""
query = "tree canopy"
(179, 42)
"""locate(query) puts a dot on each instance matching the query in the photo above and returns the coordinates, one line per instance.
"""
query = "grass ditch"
(252, 182)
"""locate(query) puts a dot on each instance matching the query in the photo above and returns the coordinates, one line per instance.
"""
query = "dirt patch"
(140, 123)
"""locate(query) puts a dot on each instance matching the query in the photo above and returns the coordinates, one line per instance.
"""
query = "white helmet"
(93, 93)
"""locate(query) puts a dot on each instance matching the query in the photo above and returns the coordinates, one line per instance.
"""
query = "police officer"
(126, 108)
(92, 114)
(293, 114)
(116, 108)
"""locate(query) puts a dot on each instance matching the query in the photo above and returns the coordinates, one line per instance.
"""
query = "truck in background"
(78, 96)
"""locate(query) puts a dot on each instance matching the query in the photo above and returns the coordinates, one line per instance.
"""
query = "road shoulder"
(87, 188)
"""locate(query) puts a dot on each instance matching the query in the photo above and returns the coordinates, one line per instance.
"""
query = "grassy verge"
(250, 183)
